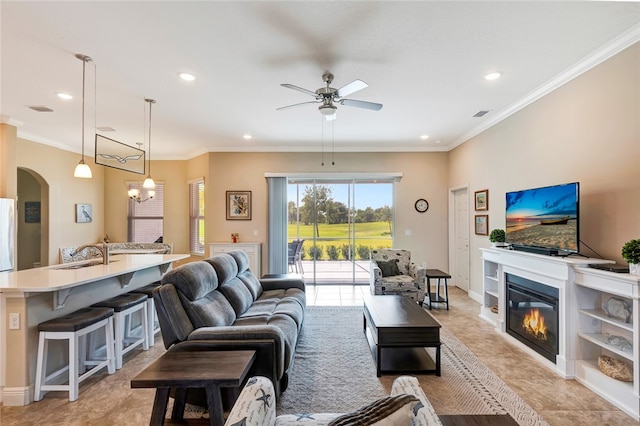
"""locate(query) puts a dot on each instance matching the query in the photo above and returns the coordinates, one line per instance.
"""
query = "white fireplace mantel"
(583, 325)
(554, 271)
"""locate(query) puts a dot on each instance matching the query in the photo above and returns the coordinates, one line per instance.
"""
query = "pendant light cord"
(150, 102)
(84, 66)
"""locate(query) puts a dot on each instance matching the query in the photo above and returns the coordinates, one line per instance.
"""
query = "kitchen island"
(32, 296)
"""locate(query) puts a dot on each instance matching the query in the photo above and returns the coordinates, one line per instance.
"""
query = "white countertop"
(53, 278)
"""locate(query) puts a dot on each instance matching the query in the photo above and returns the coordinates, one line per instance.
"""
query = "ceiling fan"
(328, 97)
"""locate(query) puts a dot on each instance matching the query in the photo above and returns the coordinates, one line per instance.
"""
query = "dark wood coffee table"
(398, 331)
(180, 370)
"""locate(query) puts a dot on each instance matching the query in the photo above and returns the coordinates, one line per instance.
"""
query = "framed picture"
(115, 154)
(482, 224)
(238, 205)
(84, 213)
(482, 200)
(32, 211)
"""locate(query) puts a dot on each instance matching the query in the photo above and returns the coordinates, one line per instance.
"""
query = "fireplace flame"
(533, 323)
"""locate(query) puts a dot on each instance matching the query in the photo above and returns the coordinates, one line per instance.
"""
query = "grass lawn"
(332, 241)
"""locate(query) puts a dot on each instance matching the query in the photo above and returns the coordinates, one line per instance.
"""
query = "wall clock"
(422, 205)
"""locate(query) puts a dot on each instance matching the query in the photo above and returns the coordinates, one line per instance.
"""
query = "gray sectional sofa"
(219, 304)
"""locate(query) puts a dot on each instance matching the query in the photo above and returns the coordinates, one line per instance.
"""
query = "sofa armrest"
(282, 283)
(268, 341)
(256, 404)
(425, 415)
(419, 273)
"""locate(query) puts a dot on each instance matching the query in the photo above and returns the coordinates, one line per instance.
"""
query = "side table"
(435, 297)
(211, 370)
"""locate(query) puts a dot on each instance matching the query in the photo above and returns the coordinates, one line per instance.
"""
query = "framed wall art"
(84, 213)
(482, 224)
(115, 154)
(32, 211)
(482, 200)
(238, 205)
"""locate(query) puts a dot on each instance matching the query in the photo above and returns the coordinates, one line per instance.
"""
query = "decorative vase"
(634, 269)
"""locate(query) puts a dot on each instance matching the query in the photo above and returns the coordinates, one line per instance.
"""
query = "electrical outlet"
(255, 232)
(14, 321)
(407, 232)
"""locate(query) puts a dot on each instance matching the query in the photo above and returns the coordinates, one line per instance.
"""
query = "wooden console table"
(211, 370)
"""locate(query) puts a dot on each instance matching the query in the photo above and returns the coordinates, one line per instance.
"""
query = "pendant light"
(82, 169)
(148, 182)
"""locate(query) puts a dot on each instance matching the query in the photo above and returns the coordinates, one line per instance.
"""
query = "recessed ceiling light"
(247, 136)
(492, 75)
(64, 96)
(424, 137)
(438, 141)
(187, 76)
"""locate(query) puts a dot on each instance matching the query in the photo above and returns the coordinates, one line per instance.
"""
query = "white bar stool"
(153, 326)
(74, 328)
(124, 306)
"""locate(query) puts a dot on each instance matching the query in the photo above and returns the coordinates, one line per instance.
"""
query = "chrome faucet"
(103, 248)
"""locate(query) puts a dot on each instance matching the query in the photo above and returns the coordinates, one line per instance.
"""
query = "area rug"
(334, 372)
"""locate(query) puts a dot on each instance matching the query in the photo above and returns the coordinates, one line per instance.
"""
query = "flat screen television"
(544, 220)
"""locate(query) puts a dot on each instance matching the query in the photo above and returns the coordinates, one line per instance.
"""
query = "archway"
(33, 220)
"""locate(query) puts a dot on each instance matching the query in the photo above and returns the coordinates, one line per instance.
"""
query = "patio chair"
(392, 272)
(294, 259)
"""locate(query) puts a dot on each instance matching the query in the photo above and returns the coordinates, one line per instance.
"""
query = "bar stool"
(74, 328)
(124, 306)
(153, 326)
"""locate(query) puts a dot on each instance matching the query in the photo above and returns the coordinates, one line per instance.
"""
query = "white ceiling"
(423, 60)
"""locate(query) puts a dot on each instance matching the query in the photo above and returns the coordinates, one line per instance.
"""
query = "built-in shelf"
(601, 315)
(587, 327)
(601, 340)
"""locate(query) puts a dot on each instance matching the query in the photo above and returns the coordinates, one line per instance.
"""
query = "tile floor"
(560, 402)
(109, 400)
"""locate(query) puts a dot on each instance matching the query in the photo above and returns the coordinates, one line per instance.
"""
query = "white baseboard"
(16, 396)
(475, 296)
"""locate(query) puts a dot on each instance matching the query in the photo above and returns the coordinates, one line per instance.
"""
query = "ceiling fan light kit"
(329, 96)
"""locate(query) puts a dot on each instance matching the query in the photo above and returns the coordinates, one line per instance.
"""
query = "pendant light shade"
(148, 182)
(82, 169)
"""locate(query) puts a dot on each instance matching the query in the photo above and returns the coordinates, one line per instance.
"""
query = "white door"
(460, 237)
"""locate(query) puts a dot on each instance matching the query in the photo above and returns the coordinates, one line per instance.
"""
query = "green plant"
(498, 236)
(363, 251)
(332, 252)
(631, 251)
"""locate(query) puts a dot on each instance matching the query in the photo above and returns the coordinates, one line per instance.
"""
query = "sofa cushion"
(194, 280)
(210, 311)
(284, 322)
(252, 283)
(389, 268)
(390, 410)
(238, 295)
(225, 265)
(274, 305)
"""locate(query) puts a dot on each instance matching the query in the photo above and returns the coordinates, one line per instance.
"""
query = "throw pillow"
(391, 410)
(389, 268)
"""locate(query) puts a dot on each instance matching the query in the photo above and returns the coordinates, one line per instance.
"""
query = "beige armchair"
(392, 272)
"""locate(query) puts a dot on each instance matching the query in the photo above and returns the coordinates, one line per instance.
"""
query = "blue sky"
(366, 194)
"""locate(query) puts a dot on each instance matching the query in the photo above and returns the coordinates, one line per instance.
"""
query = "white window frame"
(196, 216)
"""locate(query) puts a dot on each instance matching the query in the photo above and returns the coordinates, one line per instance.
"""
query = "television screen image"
(544, 217)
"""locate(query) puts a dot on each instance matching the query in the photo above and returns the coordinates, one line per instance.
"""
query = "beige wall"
(586, 131)
(56, 167)
(173, 174)
(424, 176)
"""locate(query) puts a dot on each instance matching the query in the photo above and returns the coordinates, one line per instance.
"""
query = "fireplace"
(532, 315)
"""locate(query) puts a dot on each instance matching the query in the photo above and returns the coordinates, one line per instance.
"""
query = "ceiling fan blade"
(299, 89)
(296, 105)
(361, 104)
(350, 88)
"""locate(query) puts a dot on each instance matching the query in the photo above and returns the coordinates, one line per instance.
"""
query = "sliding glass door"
(340, 221)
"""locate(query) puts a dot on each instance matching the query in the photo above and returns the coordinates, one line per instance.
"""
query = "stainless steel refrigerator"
(7, 233)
